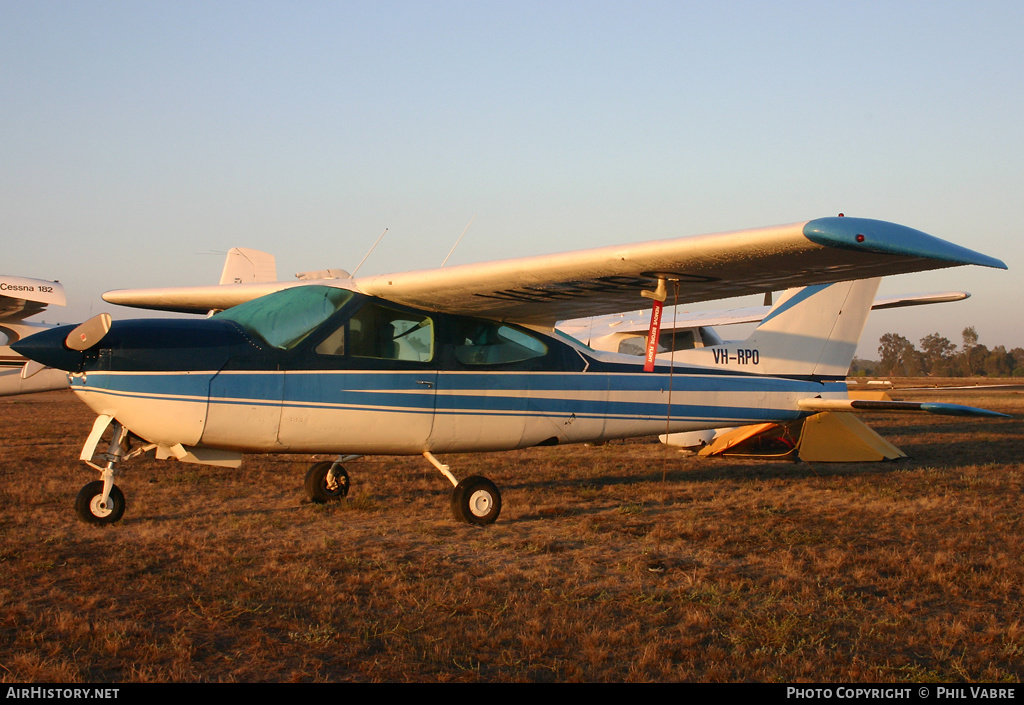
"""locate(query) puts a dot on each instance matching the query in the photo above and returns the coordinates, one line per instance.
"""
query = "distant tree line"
(940, 357)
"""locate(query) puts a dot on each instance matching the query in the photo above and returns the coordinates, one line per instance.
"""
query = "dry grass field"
(625, 562)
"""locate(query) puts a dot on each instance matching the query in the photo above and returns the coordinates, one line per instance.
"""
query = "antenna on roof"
(459, 240)
(368, 253)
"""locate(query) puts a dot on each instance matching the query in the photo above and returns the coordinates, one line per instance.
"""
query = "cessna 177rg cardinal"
(466, 358)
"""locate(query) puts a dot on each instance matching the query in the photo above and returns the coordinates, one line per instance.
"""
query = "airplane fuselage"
(369, 412)
(434, 382)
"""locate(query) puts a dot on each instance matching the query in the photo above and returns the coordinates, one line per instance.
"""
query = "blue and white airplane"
(467, 359)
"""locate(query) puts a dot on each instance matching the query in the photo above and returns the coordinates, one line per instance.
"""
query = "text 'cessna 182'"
(467, 358)
(21, 298)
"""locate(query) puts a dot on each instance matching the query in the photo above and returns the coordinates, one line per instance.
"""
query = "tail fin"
(245, 266)
(811, 331)
(815, 330)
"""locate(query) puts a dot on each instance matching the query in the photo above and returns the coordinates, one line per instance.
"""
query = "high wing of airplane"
(621, 332)
(20, 298)
(545, 289)
(466, 359)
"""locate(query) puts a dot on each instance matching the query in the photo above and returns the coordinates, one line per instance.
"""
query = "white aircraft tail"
(811, 331)
(245, 266)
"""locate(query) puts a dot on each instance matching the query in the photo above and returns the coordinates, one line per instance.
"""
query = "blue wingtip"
(890, 238)
(959, 410)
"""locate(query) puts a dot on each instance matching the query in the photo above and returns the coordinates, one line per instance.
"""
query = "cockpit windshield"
(284, 319)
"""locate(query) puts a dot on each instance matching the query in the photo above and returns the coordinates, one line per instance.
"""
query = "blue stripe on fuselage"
(155, 384)
(546, 394)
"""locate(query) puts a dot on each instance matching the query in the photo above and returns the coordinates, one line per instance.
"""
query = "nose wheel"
(92, 508)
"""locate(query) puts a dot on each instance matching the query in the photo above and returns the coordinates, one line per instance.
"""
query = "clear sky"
(141, 140)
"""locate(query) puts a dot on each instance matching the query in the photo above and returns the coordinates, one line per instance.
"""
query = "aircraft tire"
(476, 500)
(87, 504)
(316, 483)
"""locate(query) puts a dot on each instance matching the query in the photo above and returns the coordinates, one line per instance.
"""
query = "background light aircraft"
(467, 359)
(20, 298)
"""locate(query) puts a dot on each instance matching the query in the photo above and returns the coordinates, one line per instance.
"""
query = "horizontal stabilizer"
(864, 405)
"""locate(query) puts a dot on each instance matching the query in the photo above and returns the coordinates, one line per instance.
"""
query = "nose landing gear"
(101, 501)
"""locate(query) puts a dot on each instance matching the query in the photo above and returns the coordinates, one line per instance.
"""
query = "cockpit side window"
(334, 344)
(284, 319)
(488, 343)
(383, 333)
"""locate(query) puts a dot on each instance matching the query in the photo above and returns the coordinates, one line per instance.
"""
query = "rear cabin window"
(490, 343)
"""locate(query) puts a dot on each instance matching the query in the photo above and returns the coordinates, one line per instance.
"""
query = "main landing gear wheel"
(90, 508)
(476, 500)
(326, 482)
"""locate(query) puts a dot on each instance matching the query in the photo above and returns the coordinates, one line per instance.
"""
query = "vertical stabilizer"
(245, 266)
(815, 330)
(811, 331)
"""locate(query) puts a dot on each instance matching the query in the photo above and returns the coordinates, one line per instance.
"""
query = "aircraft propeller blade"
(89, 333)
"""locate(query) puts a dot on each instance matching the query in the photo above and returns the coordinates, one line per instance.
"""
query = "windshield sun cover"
(284, 319)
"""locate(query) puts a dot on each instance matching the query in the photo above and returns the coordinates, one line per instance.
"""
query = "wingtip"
(944, 409)
(890, 238)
